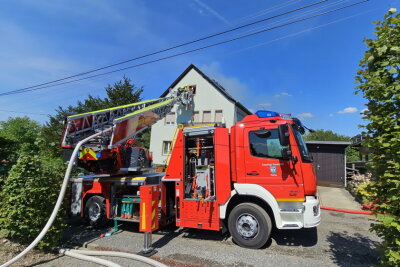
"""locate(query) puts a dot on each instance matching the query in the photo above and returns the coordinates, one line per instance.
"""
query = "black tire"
(249, 225)
(95, 212)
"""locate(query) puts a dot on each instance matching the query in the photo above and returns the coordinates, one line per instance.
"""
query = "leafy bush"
(4, 169)
(379, 82)
(359, 185)
(28, 197)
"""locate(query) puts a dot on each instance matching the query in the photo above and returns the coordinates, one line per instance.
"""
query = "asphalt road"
(341, 240)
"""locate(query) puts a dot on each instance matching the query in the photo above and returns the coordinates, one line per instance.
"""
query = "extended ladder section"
(126, 121)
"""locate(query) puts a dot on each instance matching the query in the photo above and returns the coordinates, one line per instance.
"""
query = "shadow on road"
(352, 250)
(171, 233)
(81, 234)
(77, 234)
(307, 237)
(168, 233)
(204, 234)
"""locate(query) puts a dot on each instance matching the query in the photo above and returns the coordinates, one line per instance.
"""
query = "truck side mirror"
(283, 132)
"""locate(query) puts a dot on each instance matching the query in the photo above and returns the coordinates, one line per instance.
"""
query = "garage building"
(329, 162)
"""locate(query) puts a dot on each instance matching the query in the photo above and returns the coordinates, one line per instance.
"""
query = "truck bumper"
(312, 212)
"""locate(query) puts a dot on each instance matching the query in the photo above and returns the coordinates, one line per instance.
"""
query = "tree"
(121, 93)
(328, 135)
(19, 135)
(378, 81)
(325, 135)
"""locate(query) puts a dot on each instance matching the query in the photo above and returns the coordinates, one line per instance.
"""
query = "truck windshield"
(305, 156)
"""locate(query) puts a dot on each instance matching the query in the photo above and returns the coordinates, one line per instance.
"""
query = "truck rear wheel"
(249, 225)
(95, 211)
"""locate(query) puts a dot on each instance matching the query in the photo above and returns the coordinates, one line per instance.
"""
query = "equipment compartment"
(199, 172)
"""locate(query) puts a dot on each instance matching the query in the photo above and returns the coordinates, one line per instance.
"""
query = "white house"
(211, 104)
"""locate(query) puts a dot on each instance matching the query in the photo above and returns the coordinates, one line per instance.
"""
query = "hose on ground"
(347, 211)
(58, 203)
(120, 254)
(81, 256)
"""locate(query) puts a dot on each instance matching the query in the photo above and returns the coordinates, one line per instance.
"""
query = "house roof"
(214, 83)
(337, 143)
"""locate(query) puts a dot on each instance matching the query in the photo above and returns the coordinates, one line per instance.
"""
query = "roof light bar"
(267, 114)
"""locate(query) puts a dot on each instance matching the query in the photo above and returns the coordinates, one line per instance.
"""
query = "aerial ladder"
(111, 151)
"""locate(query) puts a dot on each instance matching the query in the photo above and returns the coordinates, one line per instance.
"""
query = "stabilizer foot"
(147, 253)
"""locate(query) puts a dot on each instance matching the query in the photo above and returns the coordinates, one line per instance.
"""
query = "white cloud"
(285, 94)
(348, 110)
(331, 115)
(362, 112)
(233, 85)
(305, 115)
(212, 12)
(282, 94)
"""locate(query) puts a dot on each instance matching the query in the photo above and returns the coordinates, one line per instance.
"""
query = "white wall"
(207, 98)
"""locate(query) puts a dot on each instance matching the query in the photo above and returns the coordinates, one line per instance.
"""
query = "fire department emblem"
(272, 169)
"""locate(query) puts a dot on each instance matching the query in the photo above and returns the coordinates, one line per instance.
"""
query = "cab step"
(291, 226)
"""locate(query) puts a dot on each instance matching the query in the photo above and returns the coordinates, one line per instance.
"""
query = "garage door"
(329, 165)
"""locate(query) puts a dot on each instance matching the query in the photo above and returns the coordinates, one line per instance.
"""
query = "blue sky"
(306, 69)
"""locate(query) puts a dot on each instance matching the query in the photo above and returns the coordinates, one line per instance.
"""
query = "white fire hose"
(77, 253)
(80, 256)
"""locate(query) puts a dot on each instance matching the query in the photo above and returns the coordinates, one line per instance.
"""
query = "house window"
(196, 116)
(170, 119)
(207, 116)
(165, 147)
(218, 116)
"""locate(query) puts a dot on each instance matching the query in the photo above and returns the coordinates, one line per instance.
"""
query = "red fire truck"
(251, 177)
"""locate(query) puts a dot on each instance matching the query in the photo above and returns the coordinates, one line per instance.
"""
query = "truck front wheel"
(95, 211)
(249, 225)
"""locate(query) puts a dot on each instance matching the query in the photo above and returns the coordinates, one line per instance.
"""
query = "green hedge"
(27, 199)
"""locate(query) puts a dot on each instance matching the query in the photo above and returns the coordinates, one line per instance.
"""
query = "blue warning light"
(267, 114)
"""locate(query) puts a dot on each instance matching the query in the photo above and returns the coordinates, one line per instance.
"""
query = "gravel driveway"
(341, 240)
